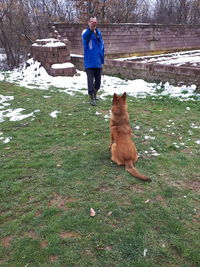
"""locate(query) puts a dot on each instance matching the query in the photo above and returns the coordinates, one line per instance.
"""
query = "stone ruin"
(54, 56)
(133, 39)
(121, 40)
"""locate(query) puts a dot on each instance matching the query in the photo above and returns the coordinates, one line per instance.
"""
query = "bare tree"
(85, 9)
(117, 11)
(144, 9)
(23, 21)
(194, 12)
(164, 10)
(183, 11)
(177, 11)
(14, 33)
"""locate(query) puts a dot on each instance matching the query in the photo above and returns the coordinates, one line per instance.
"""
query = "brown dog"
(123, 149)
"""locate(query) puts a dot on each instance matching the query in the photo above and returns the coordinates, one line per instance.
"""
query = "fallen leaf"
(147, 201)
(92, 212)
(145, 252)
(110, 213)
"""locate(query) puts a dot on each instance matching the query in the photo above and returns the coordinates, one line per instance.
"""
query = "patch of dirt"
(6, 241)
(194, 185)
(104, 188)
(146, 111)
(160, 199)
(73, 148)
(60, 201)
(145, 142)
(41, 226)
(109, 248)
(24, 178)
(137, 188)
(43, 244)
(187, 150)
(124, 203)
(65, 235)
(38, 213)
(53, 149)
(105, 112)
(88, 253)
(196, 218)
(119, 177)
(32, 235)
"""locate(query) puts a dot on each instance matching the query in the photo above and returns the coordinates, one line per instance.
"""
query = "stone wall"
(153, 71)
(147, 71)
(133, 39)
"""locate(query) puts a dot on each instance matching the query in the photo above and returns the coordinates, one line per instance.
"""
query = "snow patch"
(35, 76)
(62, 65)
(54, 114)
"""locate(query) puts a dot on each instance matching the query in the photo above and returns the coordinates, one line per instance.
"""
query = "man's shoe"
(92, 102)
(95, 94)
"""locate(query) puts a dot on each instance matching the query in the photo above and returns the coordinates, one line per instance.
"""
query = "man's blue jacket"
(93, 45)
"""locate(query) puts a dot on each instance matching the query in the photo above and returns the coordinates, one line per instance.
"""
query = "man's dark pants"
(93, 79)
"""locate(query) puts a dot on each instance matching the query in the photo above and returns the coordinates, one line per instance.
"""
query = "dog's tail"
(130, 168)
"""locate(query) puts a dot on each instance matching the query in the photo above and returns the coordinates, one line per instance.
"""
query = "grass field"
(54, 170)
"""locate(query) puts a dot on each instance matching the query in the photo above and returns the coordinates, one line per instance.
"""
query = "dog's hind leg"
(114, 154)
(135, 159)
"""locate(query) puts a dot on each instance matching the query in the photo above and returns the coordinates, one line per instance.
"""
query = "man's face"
(93, 22)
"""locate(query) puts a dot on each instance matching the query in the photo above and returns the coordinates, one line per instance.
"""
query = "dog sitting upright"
(123, 150)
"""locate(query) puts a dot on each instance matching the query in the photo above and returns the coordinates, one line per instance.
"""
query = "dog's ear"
(124, 96)
(114, 97)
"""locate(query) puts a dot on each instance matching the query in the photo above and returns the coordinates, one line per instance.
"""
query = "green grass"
(55, 169)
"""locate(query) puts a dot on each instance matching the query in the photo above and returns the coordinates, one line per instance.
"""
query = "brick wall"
(52, 52)
(129, 39)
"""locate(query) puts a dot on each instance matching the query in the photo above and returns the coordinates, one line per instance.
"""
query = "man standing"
(93, 57)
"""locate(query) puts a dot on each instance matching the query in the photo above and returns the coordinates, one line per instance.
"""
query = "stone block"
(184, 71)
(159, 68)
(196, 73)
(63, 71)
(170, 69)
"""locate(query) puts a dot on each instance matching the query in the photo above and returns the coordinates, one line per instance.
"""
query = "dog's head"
(119, 103)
